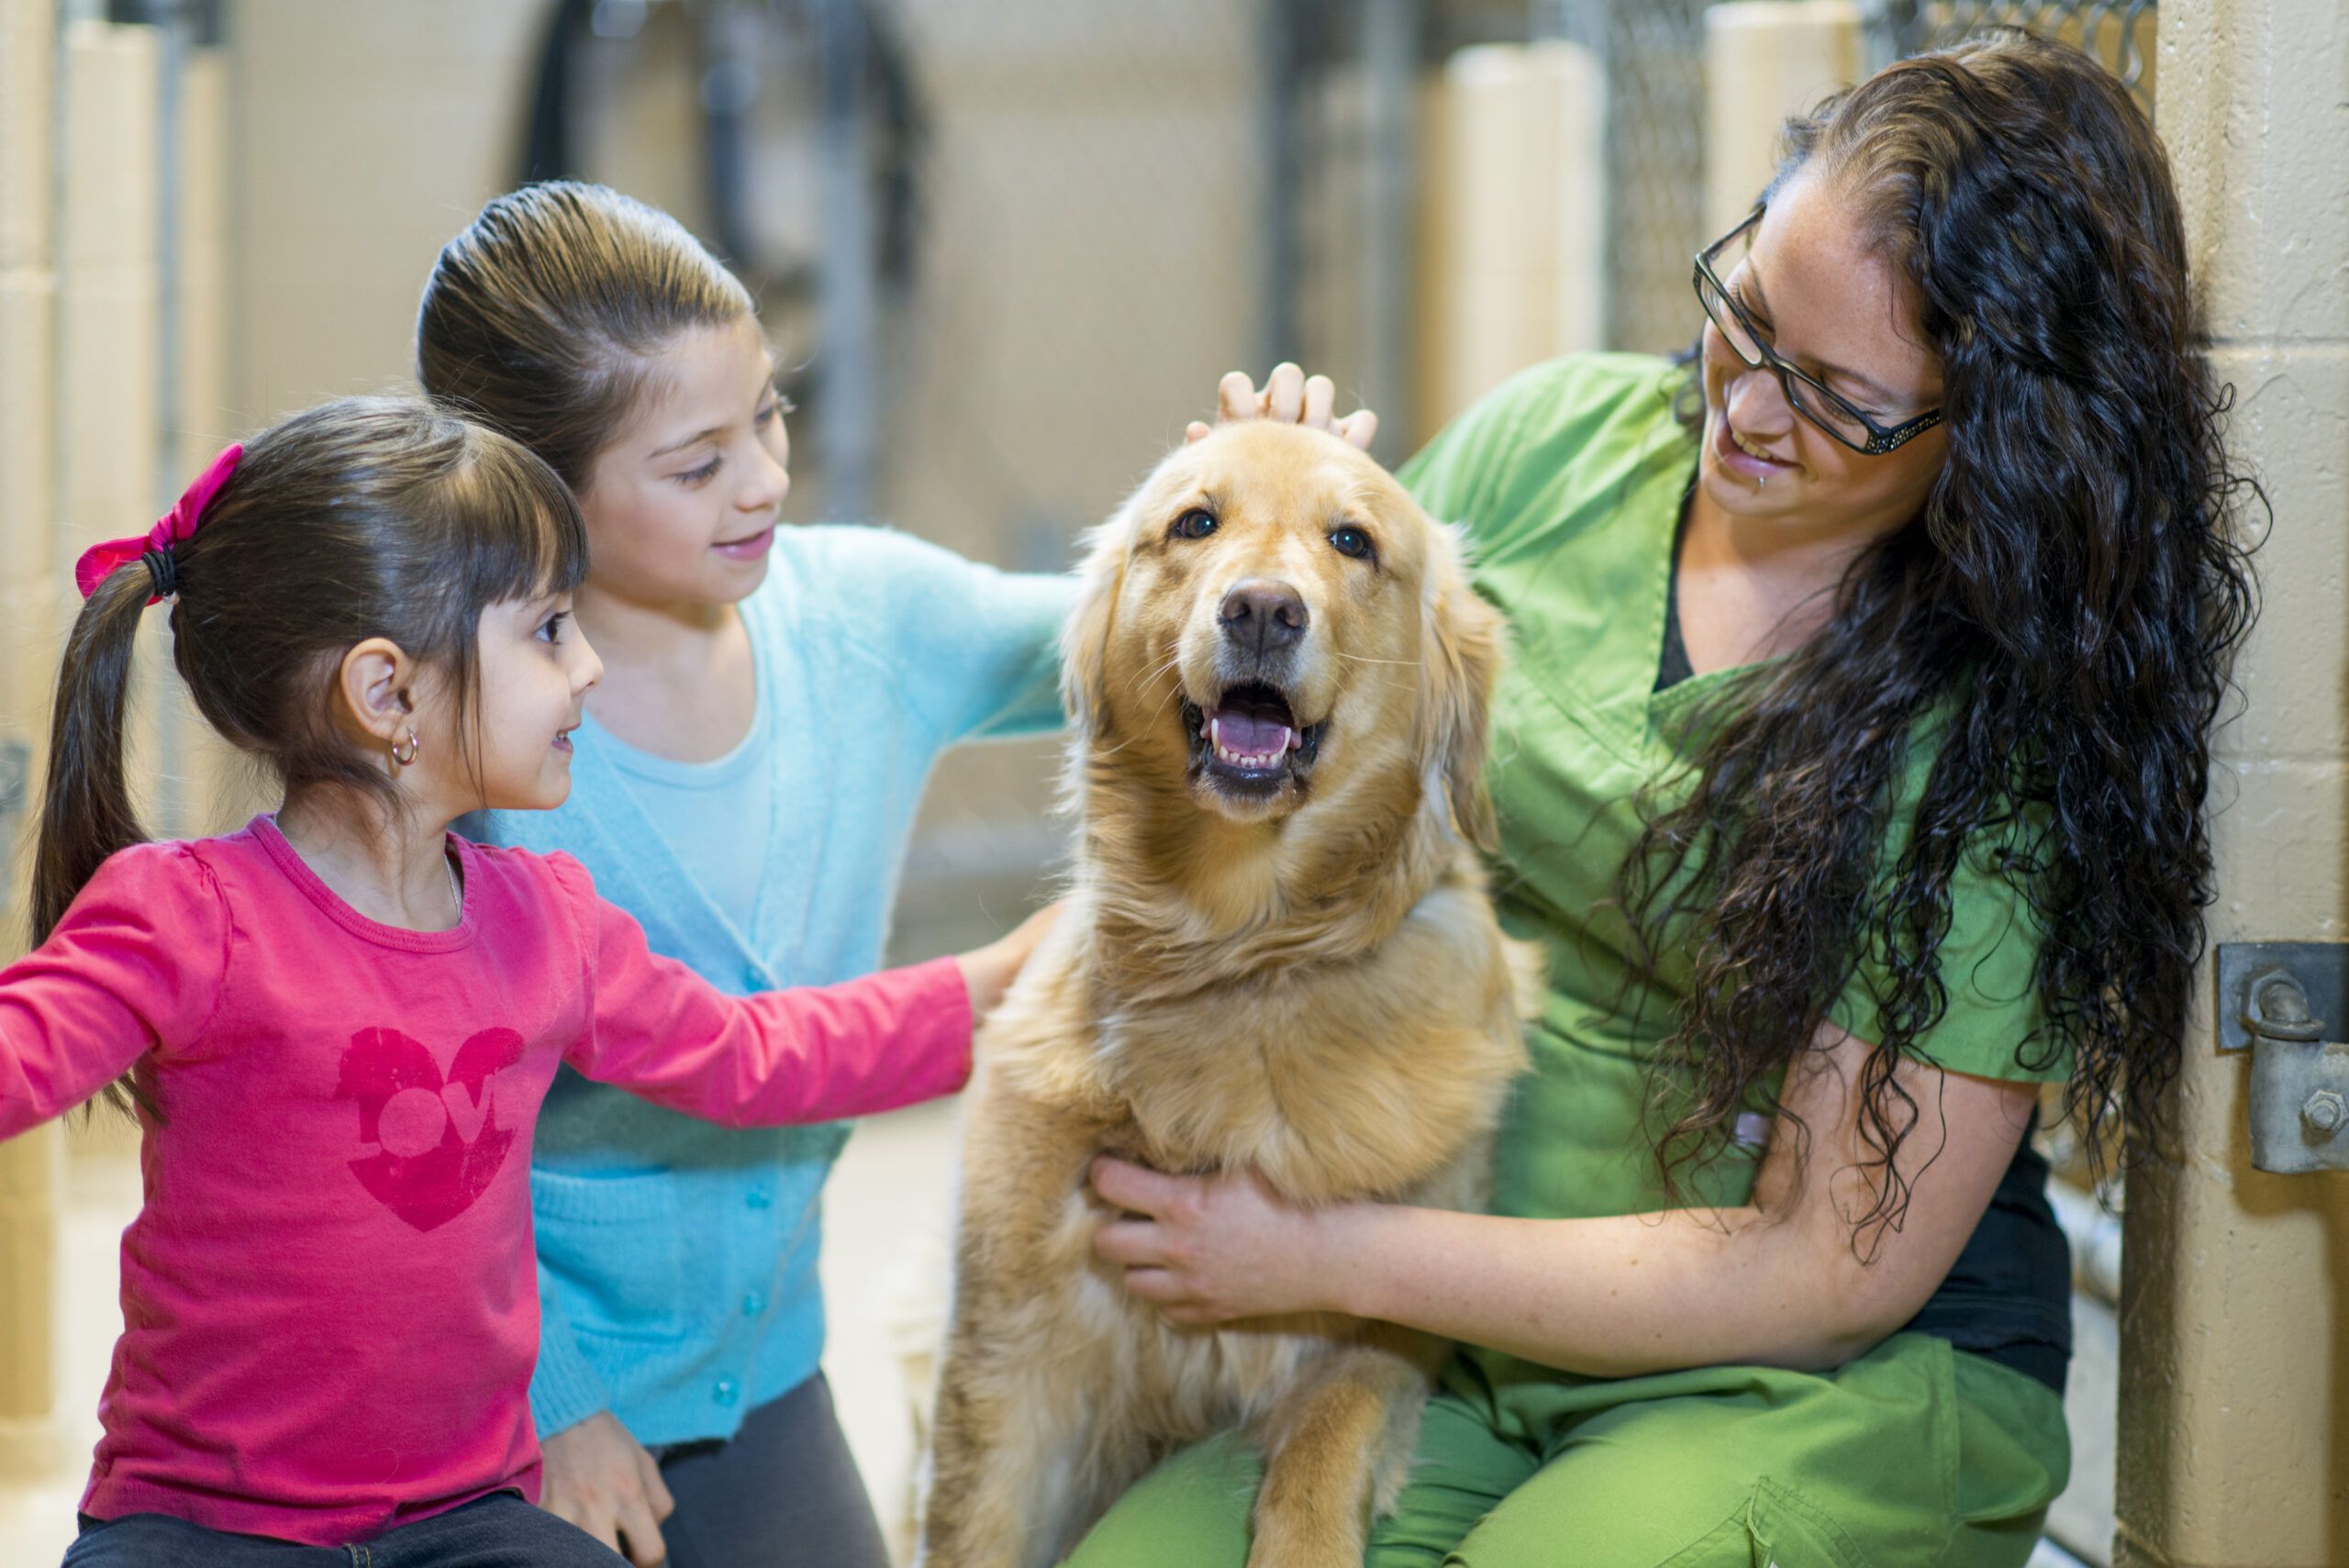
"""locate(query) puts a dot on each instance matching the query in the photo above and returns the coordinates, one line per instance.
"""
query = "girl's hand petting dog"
(601, 1479)
(1206, 1250)
(988, 971)
(1291, 397)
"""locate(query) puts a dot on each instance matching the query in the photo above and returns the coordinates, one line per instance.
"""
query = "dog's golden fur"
(1293, 969)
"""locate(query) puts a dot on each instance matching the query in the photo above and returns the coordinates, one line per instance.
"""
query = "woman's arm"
(1777, 1282)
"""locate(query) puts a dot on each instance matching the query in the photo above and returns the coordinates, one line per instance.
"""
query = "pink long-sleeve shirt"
(328, 1298)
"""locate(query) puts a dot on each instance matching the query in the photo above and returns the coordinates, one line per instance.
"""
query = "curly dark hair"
(2057, 626)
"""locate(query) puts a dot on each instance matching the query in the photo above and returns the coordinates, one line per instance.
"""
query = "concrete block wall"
(30, 1167)
(2235, 1398)
(27, 362)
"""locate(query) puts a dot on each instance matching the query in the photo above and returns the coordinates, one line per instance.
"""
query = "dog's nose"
(1261, 617)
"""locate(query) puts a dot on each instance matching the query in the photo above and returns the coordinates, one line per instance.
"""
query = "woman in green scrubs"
(1850, 768)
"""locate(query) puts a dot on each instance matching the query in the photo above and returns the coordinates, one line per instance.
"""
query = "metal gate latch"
(2280, 1001)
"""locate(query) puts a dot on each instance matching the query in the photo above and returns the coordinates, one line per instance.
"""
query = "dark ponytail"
(86, 814)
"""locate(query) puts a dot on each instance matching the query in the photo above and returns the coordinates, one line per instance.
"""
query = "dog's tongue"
(1249, 736)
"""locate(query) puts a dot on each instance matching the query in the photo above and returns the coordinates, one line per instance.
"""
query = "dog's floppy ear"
(1085, 637)
(1460, 662)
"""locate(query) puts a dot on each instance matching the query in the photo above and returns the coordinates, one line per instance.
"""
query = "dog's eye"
(1351, 542)
(1194, 524)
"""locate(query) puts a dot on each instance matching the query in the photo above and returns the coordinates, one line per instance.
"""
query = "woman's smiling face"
(1832, 307)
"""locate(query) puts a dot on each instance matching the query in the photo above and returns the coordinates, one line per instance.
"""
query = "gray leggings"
(783, 1490)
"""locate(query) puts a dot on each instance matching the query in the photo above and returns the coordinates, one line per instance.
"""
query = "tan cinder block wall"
(29, 1165)
(2234, 1400)
(28, 362)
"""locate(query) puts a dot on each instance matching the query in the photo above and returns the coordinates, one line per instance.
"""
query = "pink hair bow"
(102, 561)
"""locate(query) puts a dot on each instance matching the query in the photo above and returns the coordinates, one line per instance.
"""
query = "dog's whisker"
(1167, 668)
(1366, 659)
(1172, 693)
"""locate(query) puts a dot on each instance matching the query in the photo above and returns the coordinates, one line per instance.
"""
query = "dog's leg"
(1335, 1450)
(1024, 1359)
(1001, 1476)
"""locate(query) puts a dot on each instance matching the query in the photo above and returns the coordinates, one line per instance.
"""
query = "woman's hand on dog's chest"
(1210, 1250)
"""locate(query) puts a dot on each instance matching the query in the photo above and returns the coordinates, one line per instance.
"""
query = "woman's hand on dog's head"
(1208, 1250)
(1289, 395)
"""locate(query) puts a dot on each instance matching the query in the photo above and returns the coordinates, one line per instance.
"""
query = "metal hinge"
(2287, 1004)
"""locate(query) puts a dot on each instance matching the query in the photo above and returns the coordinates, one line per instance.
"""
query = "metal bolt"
(2282, 1000)
(2325, 1111)
(2279, 1008)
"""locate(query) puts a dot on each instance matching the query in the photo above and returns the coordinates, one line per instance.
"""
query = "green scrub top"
(1568, 484)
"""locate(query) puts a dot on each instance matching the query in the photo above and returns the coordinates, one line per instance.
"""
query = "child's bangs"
(525, 538)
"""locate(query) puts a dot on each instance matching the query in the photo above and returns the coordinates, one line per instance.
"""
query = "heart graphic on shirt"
(432, 1145)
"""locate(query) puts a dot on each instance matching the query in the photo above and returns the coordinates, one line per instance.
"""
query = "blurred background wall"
(1007, 247)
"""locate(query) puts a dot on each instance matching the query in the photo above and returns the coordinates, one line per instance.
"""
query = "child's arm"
(136, 963)
(817, 1053)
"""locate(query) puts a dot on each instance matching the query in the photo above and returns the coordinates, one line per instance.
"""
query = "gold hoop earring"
(415, 744)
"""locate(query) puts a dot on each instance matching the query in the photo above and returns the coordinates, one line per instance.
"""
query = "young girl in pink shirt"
(336, 1024)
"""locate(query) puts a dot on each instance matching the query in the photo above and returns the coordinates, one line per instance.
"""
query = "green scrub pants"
(1914, 1456)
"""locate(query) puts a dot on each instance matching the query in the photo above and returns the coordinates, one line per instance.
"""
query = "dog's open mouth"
(1250, 742)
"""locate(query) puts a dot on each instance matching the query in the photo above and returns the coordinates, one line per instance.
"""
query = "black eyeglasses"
(1824, 409)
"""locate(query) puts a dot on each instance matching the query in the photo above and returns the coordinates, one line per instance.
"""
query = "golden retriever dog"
(1277, 954)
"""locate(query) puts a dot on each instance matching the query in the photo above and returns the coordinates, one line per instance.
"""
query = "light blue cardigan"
(677, 1280)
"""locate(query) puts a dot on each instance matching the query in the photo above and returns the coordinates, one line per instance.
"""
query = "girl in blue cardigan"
(744, 784)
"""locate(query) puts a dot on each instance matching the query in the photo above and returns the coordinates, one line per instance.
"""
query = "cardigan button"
(725, 1392)
(759, 1197)
(753, 1304)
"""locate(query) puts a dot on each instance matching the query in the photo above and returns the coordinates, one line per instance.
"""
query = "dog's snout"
(1262, 616)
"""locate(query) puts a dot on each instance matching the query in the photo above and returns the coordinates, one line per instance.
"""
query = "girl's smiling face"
(682, 507)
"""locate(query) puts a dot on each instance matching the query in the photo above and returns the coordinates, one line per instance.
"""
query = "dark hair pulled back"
(542, 319)
(2057, 624)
